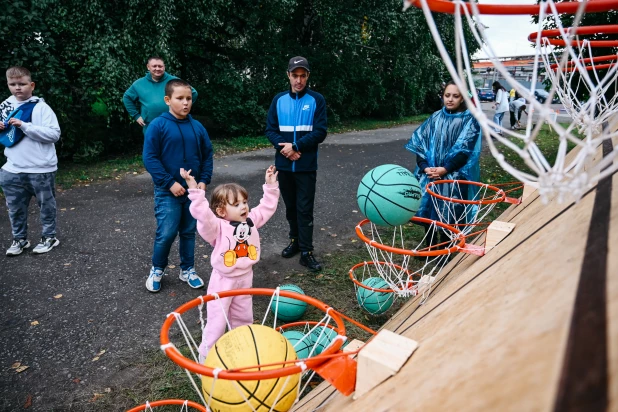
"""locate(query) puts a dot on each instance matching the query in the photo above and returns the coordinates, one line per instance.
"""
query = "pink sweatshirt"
(236, 244)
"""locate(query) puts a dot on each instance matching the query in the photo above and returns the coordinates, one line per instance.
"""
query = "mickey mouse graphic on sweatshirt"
(242, 233)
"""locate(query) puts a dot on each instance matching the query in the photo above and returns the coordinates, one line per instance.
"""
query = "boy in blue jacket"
(174, 141)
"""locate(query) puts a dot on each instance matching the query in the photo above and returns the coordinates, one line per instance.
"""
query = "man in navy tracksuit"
(296, 125)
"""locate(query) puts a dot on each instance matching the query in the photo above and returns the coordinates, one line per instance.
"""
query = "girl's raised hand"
(188, 178)
(271, 175)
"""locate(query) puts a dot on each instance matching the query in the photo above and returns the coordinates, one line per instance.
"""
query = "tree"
(368, 57)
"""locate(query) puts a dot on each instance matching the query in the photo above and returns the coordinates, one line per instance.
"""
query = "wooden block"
(381, 358)
(353, 346)
(496, 232)
(528, 190)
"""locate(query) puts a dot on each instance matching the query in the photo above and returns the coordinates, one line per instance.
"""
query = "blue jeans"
(173, 218)
(498, 121)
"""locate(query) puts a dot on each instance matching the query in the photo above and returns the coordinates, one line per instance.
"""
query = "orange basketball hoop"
(327, 363)
(452, 202)
(246, 373)
(565, 178)
(448, 6)
(184, 404)
(555, 36)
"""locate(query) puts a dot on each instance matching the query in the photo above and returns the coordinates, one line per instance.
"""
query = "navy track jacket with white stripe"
(298, 118)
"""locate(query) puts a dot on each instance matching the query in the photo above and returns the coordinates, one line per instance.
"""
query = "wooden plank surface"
(494, 333)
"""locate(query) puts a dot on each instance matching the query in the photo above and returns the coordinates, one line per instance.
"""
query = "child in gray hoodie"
(28, 129)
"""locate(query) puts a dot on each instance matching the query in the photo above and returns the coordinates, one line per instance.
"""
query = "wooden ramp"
(530, 326)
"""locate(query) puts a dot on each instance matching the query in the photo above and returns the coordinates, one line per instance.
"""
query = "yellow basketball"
(248, 346)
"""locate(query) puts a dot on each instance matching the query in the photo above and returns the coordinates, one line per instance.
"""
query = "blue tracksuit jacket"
(297, 118)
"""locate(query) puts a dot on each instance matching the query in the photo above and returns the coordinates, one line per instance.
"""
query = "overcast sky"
(508, 35)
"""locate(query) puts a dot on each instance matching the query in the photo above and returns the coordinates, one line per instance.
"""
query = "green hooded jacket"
(145, 98)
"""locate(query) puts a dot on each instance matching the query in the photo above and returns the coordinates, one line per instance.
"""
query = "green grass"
(70, 174)
(371, 124)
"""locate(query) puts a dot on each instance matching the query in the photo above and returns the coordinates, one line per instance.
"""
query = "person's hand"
(1, 125)
(188, 178)
(15, 122)
(201, 185)
(141, 121)
(287, 150)
(435, 172)
(271, 175)
(295, 156)
(177, 189)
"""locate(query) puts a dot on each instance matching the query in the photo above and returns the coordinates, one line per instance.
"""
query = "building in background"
(520, 68)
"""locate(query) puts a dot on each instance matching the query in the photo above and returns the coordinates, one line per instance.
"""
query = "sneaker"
(153, 283)
(191, 278)
(291, 249)
(307, 259)
(17, 247)
(46, 244)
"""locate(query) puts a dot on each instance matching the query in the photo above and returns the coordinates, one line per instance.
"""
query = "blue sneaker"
(153, 283)
(191, 278)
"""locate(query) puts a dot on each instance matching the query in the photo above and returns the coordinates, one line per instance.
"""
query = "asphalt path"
(61, 310)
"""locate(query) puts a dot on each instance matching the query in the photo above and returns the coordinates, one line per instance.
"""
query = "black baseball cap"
(298, 61)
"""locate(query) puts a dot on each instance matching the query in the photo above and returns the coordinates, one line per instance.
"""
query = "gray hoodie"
(35, 153)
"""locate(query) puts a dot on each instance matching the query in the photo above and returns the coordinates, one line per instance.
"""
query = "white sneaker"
(46, 244)
(17, 247)
(191, 278)
(153, 283)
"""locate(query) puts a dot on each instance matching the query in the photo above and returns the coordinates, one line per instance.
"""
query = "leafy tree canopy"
(368, 58)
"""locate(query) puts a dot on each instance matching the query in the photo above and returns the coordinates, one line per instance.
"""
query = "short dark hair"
(155, 57)
(172, 84)
(18, 71)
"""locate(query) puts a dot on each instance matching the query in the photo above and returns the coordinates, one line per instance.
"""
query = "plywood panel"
(498, 342)
(612, 305)
(494, 339)
(494, 331)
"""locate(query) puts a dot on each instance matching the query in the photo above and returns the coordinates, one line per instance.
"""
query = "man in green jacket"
(144, 100)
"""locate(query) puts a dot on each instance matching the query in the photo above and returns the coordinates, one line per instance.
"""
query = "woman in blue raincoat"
(447, 147)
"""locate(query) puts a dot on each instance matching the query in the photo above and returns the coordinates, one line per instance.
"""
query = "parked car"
(486, 95)
(541, 96)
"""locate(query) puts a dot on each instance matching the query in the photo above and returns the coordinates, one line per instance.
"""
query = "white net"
(184, 406)
(309, 339)
(580, 73)
(466, 205)
(568, 177)
(405, 257)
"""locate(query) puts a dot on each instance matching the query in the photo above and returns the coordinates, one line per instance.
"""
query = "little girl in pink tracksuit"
(229, 226)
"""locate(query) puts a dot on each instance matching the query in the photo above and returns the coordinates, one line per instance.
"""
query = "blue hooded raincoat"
(438, 141)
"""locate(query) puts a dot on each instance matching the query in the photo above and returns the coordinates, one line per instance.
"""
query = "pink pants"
(237, 309)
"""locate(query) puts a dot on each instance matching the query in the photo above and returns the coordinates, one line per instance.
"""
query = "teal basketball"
(322, 342)
(389, 195)
(288, 309)
(372, 301)
(301, 346)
